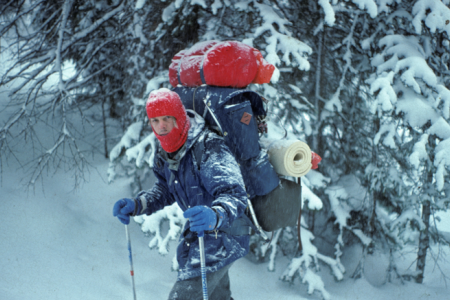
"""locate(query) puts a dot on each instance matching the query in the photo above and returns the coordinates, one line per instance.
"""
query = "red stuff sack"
(225, 64)
(315, 160)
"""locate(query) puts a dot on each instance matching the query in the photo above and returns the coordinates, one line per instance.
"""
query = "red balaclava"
(164, 102)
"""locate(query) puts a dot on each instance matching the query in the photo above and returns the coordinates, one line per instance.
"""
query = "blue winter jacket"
(218, 183)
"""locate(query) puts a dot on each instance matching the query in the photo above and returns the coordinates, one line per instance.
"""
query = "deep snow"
(58, 243)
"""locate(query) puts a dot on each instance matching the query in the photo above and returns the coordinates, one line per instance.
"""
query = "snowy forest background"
(364, 82)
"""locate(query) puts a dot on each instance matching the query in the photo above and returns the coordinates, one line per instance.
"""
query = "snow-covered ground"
(58, 243)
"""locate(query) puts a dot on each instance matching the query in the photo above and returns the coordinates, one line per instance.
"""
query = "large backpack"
(209, 78)
(233, 113)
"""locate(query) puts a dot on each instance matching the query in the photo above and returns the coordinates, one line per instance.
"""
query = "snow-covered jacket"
(215, 182)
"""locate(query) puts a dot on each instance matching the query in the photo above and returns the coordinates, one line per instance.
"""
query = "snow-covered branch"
(349, 41)
(153, 225)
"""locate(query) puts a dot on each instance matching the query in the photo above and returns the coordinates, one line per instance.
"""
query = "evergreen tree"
(410, 59)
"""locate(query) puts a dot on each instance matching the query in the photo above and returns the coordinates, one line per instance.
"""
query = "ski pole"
(131, 260)
(203, 265)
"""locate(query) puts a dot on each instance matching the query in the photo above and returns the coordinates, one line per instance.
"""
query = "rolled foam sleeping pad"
(288, 157)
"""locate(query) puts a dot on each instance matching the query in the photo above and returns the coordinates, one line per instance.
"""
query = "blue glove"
(201, 218)
(123, 209)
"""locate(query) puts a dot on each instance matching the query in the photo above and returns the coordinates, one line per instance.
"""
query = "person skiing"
(211, 193)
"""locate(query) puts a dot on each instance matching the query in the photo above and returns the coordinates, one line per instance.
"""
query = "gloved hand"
(201, 218)
(123, 209)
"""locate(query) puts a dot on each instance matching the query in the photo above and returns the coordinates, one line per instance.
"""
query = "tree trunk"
(424, 241)
(374, 194)
(105, 137)
(317, 90)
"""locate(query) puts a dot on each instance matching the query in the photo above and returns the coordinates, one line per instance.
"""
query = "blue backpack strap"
(199, 148)
(202, 75)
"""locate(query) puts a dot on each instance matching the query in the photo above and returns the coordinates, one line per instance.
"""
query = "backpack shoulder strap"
(156, 158)
(199, 148)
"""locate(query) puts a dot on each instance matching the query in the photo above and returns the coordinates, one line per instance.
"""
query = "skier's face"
(163, 125)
